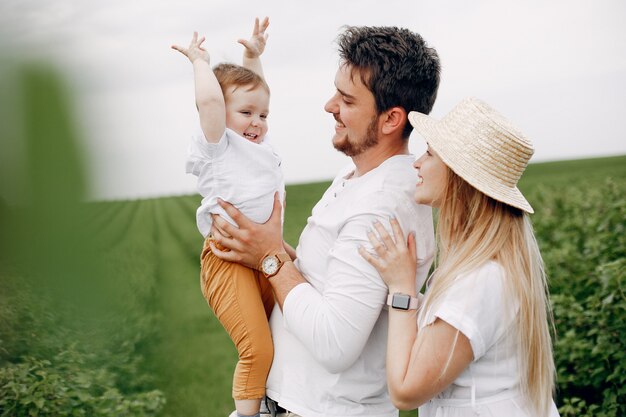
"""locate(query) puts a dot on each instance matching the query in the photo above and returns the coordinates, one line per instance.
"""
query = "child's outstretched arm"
(209, 97)
(255, 46)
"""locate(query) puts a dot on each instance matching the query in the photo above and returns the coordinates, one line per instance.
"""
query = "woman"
(482, 342)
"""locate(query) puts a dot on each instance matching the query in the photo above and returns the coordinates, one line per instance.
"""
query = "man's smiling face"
(354, 109)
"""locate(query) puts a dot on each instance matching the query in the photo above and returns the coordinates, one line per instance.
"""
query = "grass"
(192, 357)
(573, 171)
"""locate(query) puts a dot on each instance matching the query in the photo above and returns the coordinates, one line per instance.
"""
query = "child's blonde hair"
(232, 75)
(473, 229)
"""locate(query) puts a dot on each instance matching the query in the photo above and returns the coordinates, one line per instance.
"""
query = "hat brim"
(454, 154)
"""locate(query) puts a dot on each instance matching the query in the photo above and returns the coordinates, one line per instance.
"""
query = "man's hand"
(195, 50)
(251, 242)
(256, 44)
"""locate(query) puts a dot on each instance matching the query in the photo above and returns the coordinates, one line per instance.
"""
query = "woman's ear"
(394, 119)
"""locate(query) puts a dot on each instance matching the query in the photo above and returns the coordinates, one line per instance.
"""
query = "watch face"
(270, 265)
(401, 301)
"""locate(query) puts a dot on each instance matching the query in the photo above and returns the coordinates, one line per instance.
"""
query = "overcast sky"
(556, 68)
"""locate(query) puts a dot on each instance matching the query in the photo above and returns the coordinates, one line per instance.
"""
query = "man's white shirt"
(330, 340)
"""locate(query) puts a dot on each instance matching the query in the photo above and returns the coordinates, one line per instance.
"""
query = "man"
(330, 327)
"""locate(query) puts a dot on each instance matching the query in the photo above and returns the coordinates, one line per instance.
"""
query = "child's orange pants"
(242, 301)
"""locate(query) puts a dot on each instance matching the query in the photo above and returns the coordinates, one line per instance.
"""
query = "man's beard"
(368, 141)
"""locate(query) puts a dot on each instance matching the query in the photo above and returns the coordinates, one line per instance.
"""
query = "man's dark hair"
(395, 64)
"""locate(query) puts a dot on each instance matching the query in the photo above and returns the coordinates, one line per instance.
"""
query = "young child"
(234, 162)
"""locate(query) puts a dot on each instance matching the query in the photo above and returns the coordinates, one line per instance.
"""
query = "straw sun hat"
(480, 146)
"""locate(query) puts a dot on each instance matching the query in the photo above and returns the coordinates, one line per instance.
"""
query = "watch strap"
(283, 257)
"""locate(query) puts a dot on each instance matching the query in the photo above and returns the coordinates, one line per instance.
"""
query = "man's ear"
(393, 120)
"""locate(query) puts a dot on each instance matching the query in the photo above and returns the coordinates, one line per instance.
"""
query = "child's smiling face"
(246, 111)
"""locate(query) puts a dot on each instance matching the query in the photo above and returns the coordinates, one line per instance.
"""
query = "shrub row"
(581, 228)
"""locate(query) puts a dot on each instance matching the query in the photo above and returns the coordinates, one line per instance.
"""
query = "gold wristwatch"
(271, 264)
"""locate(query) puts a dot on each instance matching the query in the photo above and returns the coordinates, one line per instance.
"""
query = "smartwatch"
(401, 301)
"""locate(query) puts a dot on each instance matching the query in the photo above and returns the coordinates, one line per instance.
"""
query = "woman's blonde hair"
(473, 229)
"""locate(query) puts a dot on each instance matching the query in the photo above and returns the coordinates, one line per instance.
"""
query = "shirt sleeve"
(201, 152)
(475, 305)
(335, 324)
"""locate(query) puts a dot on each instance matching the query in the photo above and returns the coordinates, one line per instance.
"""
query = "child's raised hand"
(195, 50)
(256, 44)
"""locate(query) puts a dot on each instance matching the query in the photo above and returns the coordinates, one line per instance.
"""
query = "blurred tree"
(67, 345)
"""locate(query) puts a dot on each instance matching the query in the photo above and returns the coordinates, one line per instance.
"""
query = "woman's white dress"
(475, 304)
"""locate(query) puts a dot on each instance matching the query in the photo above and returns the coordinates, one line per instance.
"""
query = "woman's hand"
(395, 261)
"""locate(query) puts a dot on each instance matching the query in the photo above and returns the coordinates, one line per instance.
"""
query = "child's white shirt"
(241, 172)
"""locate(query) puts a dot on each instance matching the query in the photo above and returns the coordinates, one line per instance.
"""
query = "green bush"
(582, 231)
(57, 359)
(64, 386)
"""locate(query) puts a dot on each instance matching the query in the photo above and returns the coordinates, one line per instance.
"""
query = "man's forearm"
(284, 281)
(333, 326)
